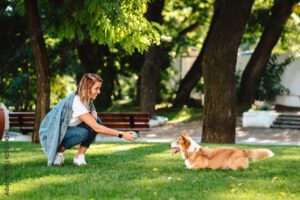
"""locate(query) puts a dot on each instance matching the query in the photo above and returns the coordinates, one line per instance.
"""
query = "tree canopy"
(105, 22)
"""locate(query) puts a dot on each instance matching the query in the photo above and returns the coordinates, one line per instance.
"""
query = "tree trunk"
(252, 74)
(150, 79)
(219, 61)
(40, 55)
(193, 76)
(150, 70)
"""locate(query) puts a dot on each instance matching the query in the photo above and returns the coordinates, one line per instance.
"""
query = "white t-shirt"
(78, 108)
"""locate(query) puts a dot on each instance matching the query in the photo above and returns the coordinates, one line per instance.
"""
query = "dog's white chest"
(188, 164)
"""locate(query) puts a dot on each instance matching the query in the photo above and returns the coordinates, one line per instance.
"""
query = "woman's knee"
(91, 139)
(84, 135)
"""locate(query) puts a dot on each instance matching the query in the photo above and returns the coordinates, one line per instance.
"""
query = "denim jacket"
(54, 126)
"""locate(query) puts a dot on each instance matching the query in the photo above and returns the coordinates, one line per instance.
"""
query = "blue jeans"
(81, 134)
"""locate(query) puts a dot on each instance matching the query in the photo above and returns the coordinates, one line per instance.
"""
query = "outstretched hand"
(128, 136)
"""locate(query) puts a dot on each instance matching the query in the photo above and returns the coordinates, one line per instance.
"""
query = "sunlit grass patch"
(181, 115)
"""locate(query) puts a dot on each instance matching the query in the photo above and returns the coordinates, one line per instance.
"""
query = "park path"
(170, 131)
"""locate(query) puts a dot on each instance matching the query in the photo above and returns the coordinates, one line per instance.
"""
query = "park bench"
(139, 121)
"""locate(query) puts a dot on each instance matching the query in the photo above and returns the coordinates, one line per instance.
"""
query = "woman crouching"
(74, 121)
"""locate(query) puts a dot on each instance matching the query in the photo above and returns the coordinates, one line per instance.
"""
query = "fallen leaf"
(274, 178)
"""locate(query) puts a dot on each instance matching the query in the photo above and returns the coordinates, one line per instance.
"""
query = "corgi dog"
(197, 157)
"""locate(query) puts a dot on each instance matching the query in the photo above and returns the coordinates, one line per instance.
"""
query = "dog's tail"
(259, 154)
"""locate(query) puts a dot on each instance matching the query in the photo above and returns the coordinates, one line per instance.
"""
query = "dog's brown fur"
(197, 157)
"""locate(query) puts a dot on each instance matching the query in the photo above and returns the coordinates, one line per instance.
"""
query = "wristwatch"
(120, 134)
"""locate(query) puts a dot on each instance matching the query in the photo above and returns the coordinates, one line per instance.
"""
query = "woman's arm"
(91, 122)
(94, 115)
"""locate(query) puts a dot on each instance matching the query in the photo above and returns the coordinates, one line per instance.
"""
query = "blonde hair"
(85, 85)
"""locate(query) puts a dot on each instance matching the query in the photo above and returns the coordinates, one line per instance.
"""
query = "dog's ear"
(185, 138)
(184, 134)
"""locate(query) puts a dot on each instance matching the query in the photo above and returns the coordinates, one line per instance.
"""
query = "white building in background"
(290, 78)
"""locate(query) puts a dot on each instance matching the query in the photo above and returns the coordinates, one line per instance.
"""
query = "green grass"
(174, 115)
(184, 114)
(123, 106)
(146, 171)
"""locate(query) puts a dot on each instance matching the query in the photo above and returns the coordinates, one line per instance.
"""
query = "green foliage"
(167, 85)
(261, 11)
(185, 114)
(270, 85)
(180, 15)
(147, 171)
(22, 92)
(15, 58)
(174, 115)
(124, 89)
(262, 105)
(17, 80)
(185, 26)
(290, 38)
(121, 26)
(105, 22)
(18, 72)
(60, 87)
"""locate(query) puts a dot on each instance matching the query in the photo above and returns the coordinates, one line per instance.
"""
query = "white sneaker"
(59, 159)
(79, 160)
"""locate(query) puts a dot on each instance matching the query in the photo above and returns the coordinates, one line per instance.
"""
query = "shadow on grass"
(35, 168)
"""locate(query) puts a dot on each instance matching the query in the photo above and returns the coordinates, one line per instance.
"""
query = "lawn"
(146, 171)
(173, 114)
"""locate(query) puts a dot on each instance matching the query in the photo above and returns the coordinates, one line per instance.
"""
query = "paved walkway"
(169, 133)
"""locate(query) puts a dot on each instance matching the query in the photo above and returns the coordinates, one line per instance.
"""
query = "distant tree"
(194, 74)
(257, 64)
(152, 63)
(259, 17)
(182, 23)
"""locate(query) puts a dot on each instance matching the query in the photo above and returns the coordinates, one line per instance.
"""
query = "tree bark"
(219, 61)
(40, 55)
(253, 72)
(150, 74)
